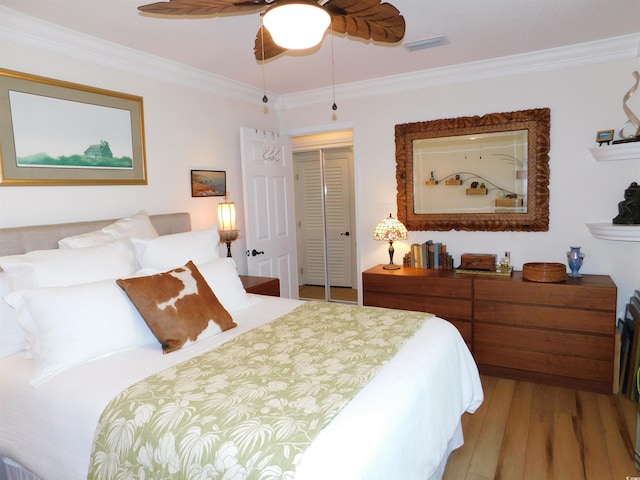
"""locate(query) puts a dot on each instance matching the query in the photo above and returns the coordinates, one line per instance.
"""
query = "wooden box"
(478, 261)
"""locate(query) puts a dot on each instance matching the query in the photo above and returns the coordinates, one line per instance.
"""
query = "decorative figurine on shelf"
(634, 121)
(575, 259)
(629, 208)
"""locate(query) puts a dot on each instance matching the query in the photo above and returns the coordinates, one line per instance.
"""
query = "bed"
(393, 416)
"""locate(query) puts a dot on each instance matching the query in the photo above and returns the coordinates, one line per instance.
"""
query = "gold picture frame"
(528, 210)
(604, 136)
(59, 133)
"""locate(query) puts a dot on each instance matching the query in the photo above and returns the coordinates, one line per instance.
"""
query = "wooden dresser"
(557, 333)
(435, 291)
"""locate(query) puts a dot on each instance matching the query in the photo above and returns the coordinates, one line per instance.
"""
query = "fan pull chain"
(334, 107)
(265, 99)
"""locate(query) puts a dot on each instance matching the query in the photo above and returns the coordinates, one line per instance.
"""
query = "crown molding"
(33, 32)
(608, 50)
(27, 30)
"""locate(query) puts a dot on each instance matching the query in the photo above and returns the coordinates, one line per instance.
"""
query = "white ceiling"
(475, 30)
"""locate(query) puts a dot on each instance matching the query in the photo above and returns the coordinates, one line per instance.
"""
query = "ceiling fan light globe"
(296, 26)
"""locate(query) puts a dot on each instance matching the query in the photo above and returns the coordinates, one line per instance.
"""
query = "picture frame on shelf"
(604, 136)
(61, 133)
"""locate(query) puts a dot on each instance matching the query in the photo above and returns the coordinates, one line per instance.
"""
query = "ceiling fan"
(366, 19)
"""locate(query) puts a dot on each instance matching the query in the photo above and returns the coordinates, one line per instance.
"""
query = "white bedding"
(401, 425)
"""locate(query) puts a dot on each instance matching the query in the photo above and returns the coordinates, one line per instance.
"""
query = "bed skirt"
(10, 470)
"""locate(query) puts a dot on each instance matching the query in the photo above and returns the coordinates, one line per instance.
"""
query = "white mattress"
(401, 425)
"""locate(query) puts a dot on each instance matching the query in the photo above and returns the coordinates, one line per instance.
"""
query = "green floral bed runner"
(249, 408)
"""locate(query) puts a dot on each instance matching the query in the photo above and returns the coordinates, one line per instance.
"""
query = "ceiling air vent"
(426, 43)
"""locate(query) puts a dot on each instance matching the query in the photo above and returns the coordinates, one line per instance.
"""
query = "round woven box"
(544, 272)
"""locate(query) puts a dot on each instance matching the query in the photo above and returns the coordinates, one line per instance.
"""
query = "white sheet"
(400, 426)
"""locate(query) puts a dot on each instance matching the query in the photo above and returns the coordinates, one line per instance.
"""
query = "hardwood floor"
(340, 294)
(530, 431)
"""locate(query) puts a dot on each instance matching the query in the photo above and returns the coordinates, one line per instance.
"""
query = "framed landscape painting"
(59, 133)
(208, 183)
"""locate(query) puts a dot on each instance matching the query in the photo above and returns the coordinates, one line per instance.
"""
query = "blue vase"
(574, 259)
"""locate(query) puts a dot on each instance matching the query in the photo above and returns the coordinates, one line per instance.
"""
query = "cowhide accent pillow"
(178, 305)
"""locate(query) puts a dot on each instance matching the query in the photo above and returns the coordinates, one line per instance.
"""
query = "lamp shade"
(297, 25)
(390, 230)
(226, 216)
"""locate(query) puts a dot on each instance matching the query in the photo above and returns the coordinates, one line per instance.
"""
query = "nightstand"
(261, 285)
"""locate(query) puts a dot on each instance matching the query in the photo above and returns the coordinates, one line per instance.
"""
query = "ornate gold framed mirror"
(475, 173)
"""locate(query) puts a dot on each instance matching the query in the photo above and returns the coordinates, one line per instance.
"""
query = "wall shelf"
(609, 231)
(620, 151)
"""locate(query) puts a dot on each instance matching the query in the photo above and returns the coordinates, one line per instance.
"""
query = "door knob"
(346, 234)
(254, 252)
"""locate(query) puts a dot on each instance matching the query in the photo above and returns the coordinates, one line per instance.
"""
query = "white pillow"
(138, 225)
(173, 251)
(72, 325)
(54, 268)
(11, 334)
(223, 278)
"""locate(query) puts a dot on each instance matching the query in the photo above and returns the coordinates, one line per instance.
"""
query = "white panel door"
(269, 208)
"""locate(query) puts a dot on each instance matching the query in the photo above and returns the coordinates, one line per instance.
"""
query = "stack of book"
(429, 254)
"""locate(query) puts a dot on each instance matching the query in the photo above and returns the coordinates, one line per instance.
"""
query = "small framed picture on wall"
(208, 183)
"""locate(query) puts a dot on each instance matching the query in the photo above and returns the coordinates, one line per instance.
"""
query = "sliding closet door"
(338, 222)
(310, 213)
(325, 221)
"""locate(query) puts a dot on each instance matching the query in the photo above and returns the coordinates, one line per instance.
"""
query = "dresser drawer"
(587, 292)
(546, 341)
(466, 330)
(589, 321)
(418, 281)
(519, 362)
(447, 308)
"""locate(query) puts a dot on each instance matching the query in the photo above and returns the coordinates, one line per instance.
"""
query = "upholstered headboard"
(18, 240)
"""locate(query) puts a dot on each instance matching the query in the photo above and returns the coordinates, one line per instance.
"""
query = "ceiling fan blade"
(368, 19)
(204, 7)
(271, 48)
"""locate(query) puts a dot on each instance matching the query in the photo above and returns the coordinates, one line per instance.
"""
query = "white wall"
(582, 100)
(186, 128)
(189, 127)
